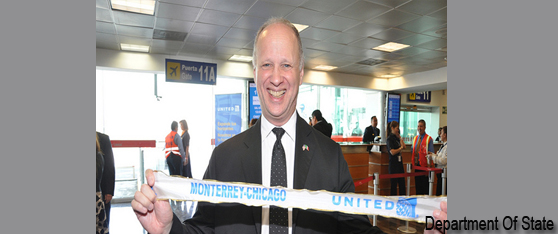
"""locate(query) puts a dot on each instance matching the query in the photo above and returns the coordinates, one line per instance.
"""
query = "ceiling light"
(241, 58)
(388, 76)
(138, 6)
(390, 47)
(325, 67)
(137, 48)
(300, 27)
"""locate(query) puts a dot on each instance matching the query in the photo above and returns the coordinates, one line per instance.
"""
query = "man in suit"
(320, 124)
(280, 139)
(107, 183)
(371, 132)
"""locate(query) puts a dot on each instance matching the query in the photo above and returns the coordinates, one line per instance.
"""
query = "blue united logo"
(406, 207)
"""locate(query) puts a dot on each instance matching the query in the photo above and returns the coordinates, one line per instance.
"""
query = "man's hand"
(185, 162)
(441, 214)
(108, 198)
(155, 216)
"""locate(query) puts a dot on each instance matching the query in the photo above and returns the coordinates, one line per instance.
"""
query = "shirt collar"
(289, 127)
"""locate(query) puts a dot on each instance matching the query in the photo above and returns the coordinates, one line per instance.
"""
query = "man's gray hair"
(284, 21)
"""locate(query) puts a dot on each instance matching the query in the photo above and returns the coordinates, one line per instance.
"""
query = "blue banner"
(255, 108)
(190, 72)
(227, 116)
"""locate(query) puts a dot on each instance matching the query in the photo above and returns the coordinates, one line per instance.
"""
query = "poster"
(227, 116)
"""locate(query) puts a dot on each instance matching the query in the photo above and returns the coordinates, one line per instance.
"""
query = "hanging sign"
(420, 97)
(190, 72)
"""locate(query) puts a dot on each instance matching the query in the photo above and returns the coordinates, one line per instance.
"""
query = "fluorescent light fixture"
(136, 48)
(390, 47)
(325, 67)
(388, 76)
(241, 58)
(138, 6)
(300, 27)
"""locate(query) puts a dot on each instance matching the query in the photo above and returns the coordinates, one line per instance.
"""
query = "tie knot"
(279, 132)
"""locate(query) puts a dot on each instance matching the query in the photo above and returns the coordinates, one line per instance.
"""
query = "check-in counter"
(363, 164)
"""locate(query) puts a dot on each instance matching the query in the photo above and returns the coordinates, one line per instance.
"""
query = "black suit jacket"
(107, 183)
(369, 134)
(239, 159)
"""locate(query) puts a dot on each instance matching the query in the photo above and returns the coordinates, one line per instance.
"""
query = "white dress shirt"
(268, 140)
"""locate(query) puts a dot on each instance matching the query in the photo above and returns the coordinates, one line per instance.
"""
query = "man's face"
(421, 128)
(182, 126)
(277, 73)
(374, 122)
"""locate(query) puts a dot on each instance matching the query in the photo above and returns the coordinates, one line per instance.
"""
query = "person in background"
(186, 168)
(422, 145)
(101, 224)
(280, 150)
(439, 134)
(252, 122)
(174, 151)
(441, 159)
(107, 184)
(394, 146)
(356, 131)
(371, 132)
(320, 124)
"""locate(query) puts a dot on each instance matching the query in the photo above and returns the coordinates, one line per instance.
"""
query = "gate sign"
(190, 72)
(420, 97)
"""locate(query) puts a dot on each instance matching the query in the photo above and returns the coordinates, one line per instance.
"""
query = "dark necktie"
(278, 217)
(417, 150)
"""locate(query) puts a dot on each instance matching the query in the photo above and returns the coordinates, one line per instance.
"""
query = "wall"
(439, 100)
(156, 63)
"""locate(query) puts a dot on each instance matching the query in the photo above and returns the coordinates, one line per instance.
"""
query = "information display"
(393, 104)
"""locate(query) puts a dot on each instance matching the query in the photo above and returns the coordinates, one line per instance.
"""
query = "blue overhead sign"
(190, 72)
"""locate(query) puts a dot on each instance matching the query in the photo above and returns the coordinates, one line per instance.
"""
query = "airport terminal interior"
(350, 68)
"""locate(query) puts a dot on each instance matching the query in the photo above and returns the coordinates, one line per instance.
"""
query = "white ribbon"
(413, 208)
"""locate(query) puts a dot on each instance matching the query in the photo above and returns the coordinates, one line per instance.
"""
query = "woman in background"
(101, 215)
(395, 145)
(441, 159)
(186, 169)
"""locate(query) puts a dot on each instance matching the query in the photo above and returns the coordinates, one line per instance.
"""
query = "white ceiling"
(341, 33)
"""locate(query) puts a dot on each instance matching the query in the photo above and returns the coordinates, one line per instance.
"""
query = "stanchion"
(142, 170)
(431, 175)
(406, 228)
(444, 175)
(376, 187)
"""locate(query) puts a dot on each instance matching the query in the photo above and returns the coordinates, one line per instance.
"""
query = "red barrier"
(401, 175)
(132, 143)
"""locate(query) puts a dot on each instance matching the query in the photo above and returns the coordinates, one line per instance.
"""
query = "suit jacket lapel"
(303, 157)
(252, 165)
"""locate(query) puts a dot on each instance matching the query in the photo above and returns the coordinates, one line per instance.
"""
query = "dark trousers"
(187, 170)
(175, 164)
(421, 184)
(107, 211)
(402, 189)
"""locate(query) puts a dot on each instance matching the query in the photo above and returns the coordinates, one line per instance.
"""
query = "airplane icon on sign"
(173, 71)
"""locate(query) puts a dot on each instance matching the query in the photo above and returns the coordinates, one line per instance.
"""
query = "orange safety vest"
(170, 146)
(423, 151)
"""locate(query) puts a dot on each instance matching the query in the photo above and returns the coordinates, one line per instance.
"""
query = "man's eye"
(287, 65)
(266, 65)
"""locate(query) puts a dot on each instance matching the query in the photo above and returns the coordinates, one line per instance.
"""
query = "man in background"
(371, 132)
(422, 146)
(174, 151)
(320, 124)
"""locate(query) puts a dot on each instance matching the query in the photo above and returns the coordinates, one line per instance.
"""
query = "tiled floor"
(124, 221)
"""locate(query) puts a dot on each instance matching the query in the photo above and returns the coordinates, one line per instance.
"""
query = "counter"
(363, 164)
